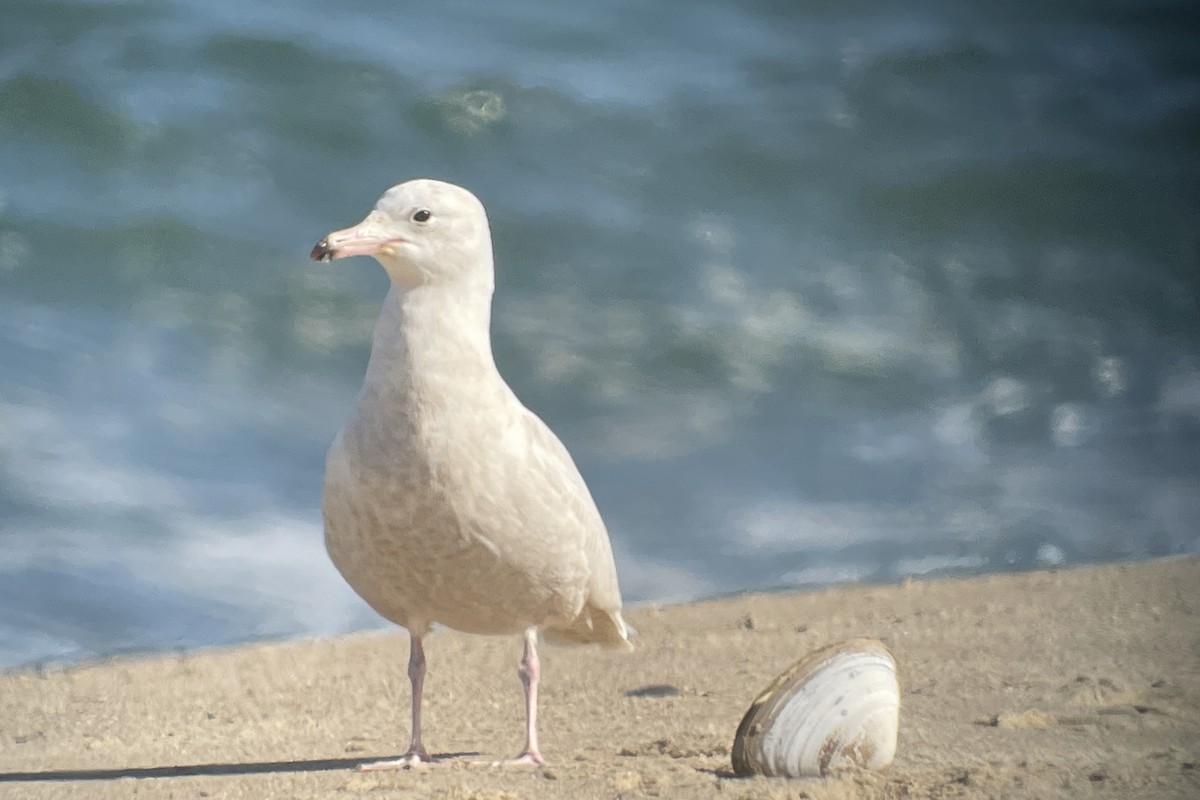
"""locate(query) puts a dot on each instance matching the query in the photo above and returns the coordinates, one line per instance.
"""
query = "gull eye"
(422, 215)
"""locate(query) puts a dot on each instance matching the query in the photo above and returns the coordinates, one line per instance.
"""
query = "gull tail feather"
(594, 626)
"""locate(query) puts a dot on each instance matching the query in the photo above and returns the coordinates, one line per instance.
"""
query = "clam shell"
(835, 708)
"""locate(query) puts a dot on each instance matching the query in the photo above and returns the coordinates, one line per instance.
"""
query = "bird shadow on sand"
(194, 770)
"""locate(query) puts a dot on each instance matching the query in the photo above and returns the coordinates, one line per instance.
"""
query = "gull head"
(422, 232)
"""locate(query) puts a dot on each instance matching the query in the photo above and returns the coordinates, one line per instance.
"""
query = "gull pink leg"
(416, 755)
(529, 671)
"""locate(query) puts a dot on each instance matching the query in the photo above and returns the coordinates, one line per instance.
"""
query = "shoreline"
(52, 664)
(1033, 684)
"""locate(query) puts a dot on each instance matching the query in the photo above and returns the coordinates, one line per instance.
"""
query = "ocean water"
(814, 292)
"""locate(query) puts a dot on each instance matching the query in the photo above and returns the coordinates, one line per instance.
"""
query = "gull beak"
(367, 238)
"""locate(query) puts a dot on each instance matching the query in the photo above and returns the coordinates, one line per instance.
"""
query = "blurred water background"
(815, 292)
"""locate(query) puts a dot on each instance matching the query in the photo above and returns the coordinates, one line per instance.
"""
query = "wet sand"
(1079, 682)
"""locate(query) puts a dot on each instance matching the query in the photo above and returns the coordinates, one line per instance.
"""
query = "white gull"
(446, 500)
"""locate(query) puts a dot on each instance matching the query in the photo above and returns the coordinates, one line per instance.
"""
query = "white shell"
(837, 707)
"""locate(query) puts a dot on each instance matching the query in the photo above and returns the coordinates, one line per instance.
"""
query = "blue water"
(836, 292)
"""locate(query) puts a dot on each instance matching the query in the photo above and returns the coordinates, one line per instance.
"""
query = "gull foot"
(414, 759)
(530, 758)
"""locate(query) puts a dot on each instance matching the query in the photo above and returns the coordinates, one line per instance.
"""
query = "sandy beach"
(1080, 682)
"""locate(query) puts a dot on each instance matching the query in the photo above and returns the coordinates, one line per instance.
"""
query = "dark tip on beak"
(322, 251)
